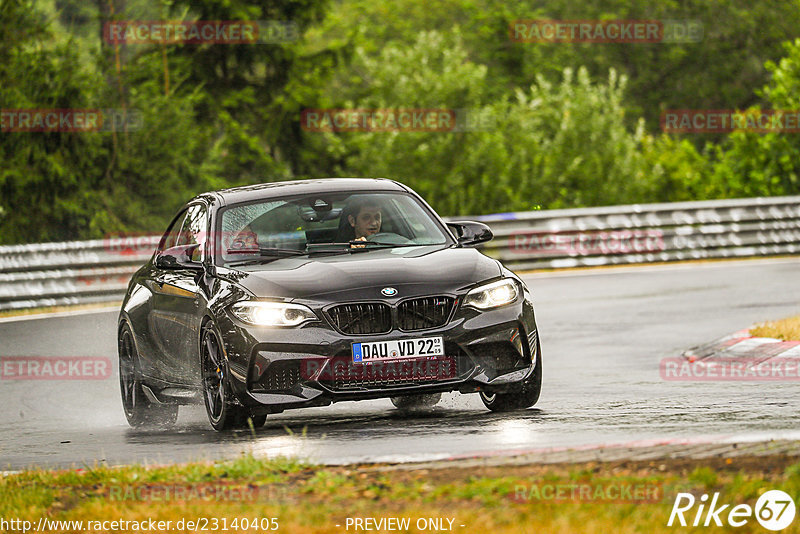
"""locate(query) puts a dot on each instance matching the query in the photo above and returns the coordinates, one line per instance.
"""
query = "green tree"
(245, 87)
(554, 145)
(753, 164)
(42, 175)
(722, 71)
(213, 116)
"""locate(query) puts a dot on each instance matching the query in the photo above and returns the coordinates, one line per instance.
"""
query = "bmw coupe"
(277, 296)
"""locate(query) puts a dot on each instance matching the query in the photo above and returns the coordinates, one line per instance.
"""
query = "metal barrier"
(49, 274)
(644, 233)
(75, 272)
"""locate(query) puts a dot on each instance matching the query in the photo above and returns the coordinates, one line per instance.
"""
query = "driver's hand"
(362, 238)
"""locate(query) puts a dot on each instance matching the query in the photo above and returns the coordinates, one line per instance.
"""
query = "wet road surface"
(603, 334)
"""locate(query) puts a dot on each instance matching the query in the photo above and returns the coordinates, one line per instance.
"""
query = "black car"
(285, 295)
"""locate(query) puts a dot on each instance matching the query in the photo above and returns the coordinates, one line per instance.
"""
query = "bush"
(753, 164)
(553, 145)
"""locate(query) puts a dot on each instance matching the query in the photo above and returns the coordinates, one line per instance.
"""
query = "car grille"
(279, 376)
(496, 357)
(426, 312)
(376, 317)
(364, 318)
(342, 374)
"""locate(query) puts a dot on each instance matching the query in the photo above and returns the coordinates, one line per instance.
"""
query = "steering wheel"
(389, 237)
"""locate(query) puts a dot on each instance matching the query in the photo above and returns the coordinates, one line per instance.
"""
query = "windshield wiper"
(266, 254)
(355, 245)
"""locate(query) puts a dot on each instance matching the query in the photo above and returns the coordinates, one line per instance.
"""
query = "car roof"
(268, 190)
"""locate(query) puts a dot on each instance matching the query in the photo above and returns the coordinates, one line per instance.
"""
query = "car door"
(152, 339)
(178, 303)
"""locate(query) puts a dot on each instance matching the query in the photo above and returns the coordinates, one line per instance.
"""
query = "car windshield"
(279, 227)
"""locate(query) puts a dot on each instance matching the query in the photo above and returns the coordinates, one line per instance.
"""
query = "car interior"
(296, 224)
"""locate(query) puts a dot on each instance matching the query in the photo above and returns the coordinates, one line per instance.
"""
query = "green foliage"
(720, 72)
(556, 144)
(569, 143)
(704, 476)
(42, 175)
(211, 118)
(562, 125)
(245, 87)
(753, 164)
(678, 171)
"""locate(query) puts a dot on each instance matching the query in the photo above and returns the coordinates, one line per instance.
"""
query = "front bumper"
(272, 370)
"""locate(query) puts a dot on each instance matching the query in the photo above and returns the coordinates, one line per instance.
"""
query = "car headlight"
(492, 295)
(272, 313)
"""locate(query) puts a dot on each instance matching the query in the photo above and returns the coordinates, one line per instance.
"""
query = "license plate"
(376, 351)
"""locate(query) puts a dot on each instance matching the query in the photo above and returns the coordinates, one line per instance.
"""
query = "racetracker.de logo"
(210, 492)
(730, 120)
(70, 120)
(244, 242)
(130, 243)
(574, 243)
(55, 368)
(605, 31)
(730, 370)
(378, 120)
(233, 32)
(622, 491)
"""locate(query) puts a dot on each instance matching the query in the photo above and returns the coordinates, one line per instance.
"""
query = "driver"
(365, 220)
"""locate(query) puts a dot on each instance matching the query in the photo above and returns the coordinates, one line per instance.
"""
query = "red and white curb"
(738, 356)
(742, 345)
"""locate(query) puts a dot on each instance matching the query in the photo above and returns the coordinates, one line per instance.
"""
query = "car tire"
(258, 420)
(411, 402)
(519, 399)
(222, 410)
(139, 410)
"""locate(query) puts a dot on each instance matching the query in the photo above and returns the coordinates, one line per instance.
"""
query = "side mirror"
(179, 257)
(470, 233)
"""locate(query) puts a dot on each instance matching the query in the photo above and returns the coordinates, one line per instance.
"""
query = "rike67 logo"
(774, 510)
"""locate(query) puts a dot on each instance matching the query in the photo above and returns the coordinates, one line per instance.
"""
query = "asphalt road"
(603, 334)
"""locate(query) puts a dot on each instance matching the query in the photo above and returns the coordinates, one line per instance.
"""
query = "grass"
(306, 498)
(786, 329)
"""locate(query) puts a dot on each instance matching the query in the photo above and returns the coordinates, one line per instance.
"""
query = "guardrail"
(73, 272)
(644, 233)
(47, 274)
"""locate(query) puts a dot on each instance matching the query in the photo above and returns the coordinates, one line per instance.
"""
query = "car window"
(170, 238)
(236, 232)
(194, 230)
(294, 223)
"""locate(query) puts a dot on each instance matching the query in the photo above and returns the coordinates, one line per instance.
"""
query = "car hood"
(361, 275)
